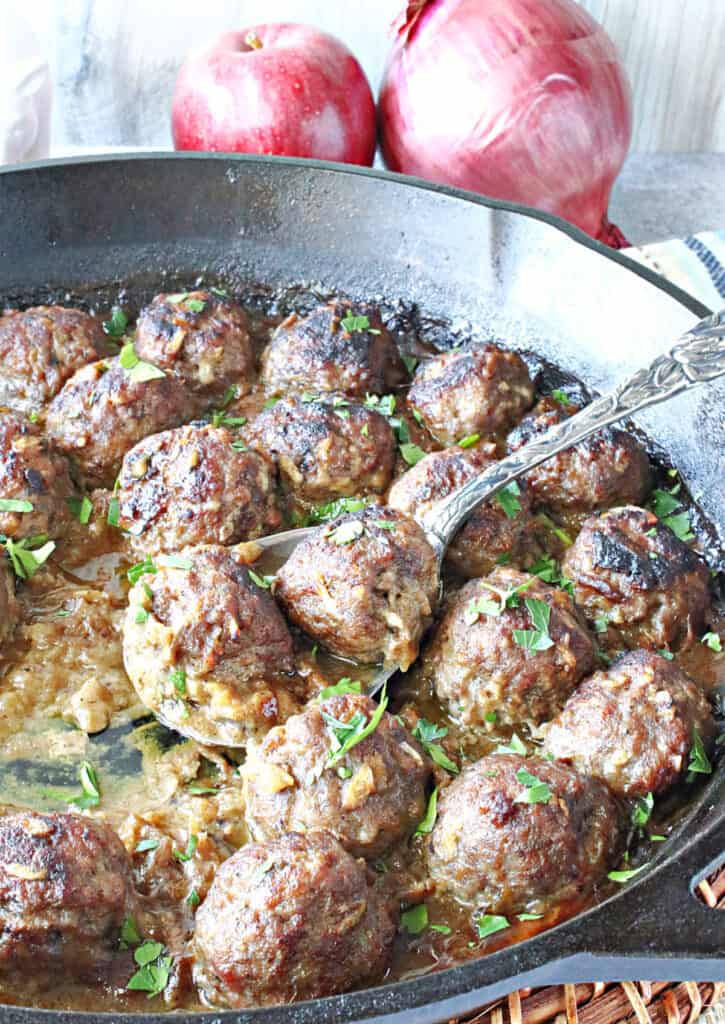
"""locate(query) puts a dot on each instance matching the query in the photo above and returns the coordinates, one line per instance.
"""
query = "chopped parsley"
(114, 512)
(271, 402)
(384, 524)
(346, 532)
(536, 639)
(514, 746)
(529, 917)
(346, 735)
(535, 791)
(341, 688)
(15, 505)
(145, 846)
(560, 396)
(601, 624)
(353, 323)
(176, 562)
(667, 655)
(195, 305)
(713, 641)
(147, 567)
(384, 404)
(427, 733)
(699, 763)
(642, 810)
(412, 454)
(27, 555)
(489, 924)
(115, 326)
(154, 969)
(429, 819)
(469, 441)
(196, 790)
(138, 370)
(130, 935)
(220, 419)
(485, 606)
(665, 505)
(178, 680)
(415, 920)
(90, 795)
(82, 509)
(546, 569)
(265, 582)
(333, 509)
(508, 499)
(624, 876)
(443, 929)
(549, 523)
(186, 855)
(193, 899)
(409, 362)
(141, 615)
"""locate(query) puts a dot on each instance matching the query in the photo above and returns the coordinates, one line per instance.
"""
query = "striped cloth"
(695, 263)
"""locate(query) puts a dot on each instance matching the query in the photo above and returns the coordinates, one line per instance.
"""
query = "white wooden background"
(115, 61)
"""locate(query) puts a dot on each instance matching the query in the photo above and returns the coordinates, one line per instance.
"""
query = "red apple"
(285, 89)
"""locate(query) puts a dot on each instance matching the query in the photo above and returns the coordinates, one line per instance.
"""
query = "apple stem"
(253, 40)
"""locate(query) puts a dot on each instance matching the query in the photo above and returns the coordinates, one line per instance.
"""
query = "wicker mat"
(642, 1002)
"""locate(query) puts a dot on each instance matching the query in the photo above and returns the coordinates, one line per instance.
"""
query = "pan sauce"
(65, 698)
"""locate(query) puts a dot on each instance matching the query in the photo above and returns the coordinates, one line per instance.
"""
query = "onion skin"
(280, 88)
(521, 100)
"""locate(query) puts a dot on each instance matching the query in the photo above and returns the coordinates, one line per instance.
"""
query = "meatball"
(202, 337)
(629, 569)
(208, 649)
(494, 849)
(65, 891)
(371, 797)
(9, 610)
(479, 389)
(609, 468)
(33, 474)
(339, 347)
(40, 348)
(501, 528)
(327, 449)
(365, 586)
(487, 657)
(192, 486)
(632, 725)
(292, 919)
(102, 411)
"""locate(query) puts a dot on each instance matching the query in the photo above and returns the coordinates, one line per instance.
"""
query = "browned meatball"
(631, 570)
(102, 411)
(609, 468)
(326, 448)
(365, 590)
(191, 486)
(201, 336)
(340, 347)
(501, 528)
(289, 920)
(632, 725)
(40, 348)
(65, 891)
(9, 610)
(371, 797)
(479, 389)
(208, 649)
(34, 475)
(495, 850)
(481, 660)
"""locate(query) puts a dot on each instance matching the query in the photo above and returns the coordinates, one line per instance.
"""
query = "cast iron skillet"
(81, 230)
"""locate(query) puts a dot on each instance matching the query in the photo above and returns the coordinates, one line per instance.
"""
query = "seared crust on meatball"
(202, 337)
(206, 648)
(491, 532)
(30, 471)
(9, 610)
(191, 486)
(292, 919)
(479, 389)
(40, 348)
(65, 891)
(492, 849)
(609, 468)
(326, 448)
(364, 590)
(339, 347)
(631, 569)
(477, 665)
(632, 725)
(378, 796)
(101, 412)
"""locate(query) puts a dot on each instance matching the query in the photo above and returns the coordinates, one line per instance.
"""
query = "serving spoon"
(697, 358)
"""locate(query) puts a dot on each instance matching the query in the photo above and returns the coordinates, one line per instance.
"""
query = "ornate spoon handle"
(698, 357)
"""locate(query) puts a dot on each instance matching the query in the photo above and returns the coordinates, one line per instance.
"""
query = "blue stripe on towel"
(710, 261)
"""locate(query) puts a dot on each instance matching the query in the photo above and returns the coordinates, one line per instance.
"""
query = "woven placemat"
(630, 1002)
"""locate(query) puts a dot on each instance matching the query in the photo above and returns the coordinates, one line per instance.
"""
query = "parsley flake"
(514, 746)
(699, 763)
(346, 735)
(624, 876)
(115, 326)
(426, 825)
(535, 791)
(178, 680)
(346, 532)
(415, 920)
(145, 846)
(90, 795)
(642, 810)
(409, 362)
(341, 688)
(265, 582)
(508, 499)
(352, 323)
(188, 853)
(82, 509)
(529, 917)
(469, 441)
(536, 639)
(193, 899)
(334, 509)
(16, 505)
(560, 396)
(412, 454)
(130, 935)
(489, 924)
(427, 733)
(114, 512)
(140, 569)
(154, 969)
(138, 370)
(713, 641)
(26, 557)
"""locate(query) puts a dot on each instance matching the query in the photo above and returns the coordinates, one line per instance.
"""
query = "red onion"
(522, 100)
